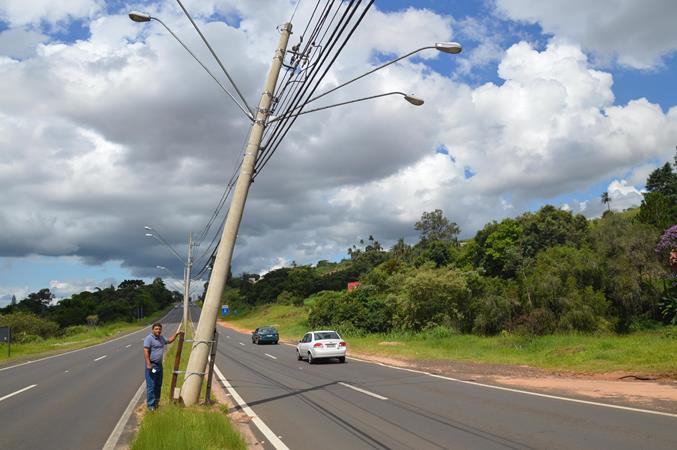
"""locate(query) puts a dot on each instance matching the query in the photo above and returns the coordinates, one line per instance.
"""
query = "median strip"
(18, 392)
(380, 397)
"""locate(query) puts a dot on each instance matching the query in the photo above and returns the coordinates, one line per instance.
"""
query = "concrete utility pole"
(186, 282)
(197, 362)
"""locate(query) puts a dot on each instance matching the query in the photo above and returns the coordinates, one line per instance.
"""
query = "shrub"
(26, 327)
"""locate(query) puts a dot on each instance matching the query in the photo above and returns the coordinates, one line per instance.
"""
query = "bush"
(432, 297)
(27, 327)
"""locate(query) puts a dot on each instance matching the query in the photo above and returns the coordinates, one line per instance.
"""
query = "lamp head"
(139, 16)
(449, 47)
(414, 100)
(147, 228)
(149, 235)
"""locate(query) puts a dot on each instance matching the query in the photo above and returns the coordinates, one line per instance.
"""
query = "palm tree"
(606, 200)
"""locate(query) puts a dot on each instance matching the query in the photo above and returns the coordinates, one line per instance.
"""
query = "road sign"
(224, 310)
(6, 338)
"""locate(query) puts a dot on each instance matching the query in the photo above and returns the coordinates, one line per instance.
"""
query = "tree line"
(38, 316)
(541, 272)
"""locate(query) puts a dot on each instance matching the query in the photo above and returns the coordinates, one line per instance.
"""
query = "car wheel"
(298, 356)
(275, 343)
(342, 359)
(310, 359)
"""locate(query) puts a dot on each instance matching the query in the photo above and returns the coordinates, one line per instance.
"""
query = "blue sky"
(68, 71)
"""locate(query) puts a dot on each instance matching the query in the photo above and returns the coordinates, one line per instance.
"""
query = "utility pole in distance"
(197, 362)
(186, 282)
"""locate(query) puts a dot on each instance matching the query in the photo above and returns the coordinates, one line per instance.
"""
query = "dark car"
(265, 334)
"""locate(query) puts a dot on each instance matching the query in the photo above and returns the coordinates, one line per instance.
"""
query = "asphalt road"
(76, 399)
(360, 405)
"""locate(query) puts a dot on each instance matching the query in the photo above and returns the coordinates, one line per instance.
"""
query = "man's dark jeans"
(153, 385)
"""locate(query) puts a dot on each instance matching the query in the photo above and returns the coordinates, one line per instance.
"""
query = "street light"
(187, 265)
(410, 98)
(453, 48)
(145, 17)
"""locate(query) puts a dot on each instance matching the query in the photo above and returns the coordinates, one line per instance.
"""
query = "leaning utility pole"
(197, 362)
(186, 282)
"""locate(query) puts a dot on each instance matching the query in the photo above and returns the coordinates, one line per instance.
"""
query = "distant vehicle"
(320, 345)
(265, 334)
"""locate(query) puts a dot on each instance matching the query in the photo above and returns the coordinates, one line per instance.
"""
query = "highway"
(359, 405)
(73, 400)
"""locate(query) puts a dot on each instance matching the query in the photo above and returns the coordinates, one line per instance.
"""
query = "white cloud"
(22, 12)
(637, 34)
(20, 43)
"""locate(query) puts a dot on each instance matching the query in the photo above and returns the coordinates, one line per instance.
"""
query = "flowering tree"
(667, 247)
(667, 251)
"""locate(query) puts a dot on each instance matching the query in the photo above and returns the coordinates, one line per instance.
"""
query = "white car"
(321, 344)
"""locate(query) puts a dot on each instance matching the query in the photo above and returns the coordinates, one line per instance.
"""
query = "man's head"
(157, 329)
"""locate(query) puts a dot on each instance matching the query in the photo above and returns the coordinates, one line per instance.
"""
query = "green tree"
(433, 226)
(658, 209)
(663, 180)
(37, 302)
(606, 200)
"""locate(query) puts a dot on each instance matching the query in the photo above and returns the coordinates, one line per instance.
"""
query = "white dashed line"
(380, 397)
(270, 356)
(100, 358)
(17, 392)
(241, 344)
(127, 346)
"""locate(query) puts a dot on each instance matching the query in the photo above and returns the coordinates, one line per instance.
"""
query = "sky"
(107, 126)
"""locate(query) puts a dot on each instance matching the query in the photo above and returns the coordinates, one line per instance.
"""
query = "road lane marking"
(227, 336)
(114, 437)
(260, 424)
(270, 356)
(100, 357)
(127, 346)
(17, 392)
(80, 349)
(520, 391)
(241, 344)
(364, 391)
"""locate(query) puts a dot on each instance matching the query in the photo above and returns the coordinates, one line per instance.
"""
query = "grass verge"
(176, 427)
(89, 336)
(647, 352)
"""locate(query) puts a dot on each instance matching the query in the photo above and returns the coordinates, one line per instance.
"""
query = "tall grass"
(641, 352)
(197, 428)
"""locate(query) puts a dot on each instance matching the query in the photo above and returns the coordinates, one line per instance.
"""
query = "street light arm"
(156, 235)
(444, 47)
(410, 98)
(251, 111)
(246, 111)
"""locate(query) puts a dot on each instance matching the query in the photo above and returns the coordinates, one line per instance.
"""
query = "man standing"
(153, 350)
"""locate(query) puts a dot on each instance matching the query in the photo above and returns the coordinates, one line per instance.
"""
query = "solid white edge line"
(17, 392)
(260, 424)
(517, 391)
(114, 437)
(364, 391)
(80, 349)
(520, 391)
(270, 356)
(100, 358)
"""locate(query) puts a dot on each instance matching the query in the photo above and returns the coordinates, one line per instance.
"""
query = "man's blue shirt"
(156, 346)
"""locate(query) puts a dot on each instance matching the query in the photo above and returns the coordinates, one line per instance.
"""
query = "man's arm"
(146, 356)
(173, 338)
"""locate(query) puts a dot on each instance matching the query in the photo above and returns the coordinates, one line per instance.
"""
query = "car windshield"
(268, 330)
(326, 335)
